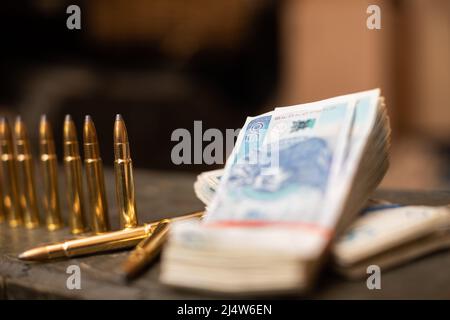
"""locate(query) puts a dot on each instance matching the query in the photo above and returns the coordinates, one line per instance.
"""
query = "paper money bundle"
(384, 234)
(389, 236)
(296, 177)
(206, 185)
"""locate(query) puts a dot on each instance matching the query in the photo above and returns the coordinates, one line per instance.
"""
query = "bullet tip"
(120, 131)
(124, 276)
(4, 128)
(26, 255)
(19, 129)
(69, 131)
(89, 132)
(45, 131)
(39, 253)
(129, 271)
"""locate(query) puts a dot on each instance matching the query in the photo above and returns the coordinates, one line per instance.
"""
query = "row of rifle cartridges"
(18, 203)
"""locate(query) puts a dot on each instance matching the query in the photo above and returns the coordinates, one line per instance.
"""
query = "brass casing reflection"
(98, 207)
(10, 197)
(49, 166)
(74, 177)
(123, 168)
(10, 191)
(26, 181)
(2, 206)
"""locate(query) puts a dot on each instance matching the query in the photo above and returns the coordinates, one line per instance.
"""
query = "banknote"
(305, 150)
(381, 229)
(206, 184)
(277, 157)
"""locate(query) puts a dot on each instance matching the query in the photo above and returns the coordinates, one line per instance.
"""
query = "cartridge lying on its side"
(101, 243)
(146, 251)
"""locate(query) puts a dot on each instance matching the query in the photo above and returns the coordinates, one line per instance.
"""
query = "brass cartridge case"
(74, 177)
(98, 207)
(146, 251)
(123, 169)
(49, 167)
(26, 180)
(10, 190)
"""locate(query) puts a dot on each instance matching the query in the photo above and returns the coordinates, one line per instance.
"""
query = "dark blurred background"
(163, 64)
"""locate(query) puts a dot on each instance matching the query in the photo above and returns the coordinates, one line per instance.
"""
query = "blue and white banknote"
(276, 160)
(286, 163)
(365, 110)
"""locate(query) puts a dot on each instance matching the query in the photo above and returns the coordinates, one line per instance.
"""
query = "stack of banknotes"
(384, 234)
(297, 177)
(390, 235)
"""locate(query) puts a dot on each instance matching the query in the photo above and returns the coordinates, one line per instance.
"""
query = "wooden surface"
(165, 194)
